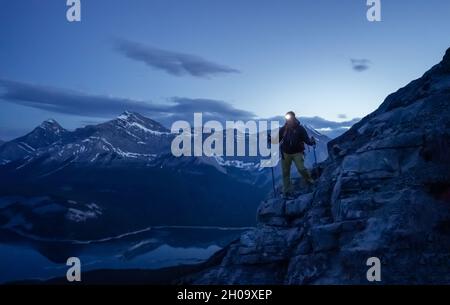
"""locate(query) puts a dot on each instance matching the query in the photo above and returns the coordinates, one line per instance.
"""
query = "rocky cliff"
(384, 192)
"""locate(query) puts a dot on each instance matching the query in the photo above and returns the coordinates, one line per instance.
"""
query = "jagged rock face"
(384, 192)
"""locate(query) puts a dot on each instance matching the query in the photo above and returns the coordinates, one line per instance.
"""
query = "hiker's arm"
(306, 138)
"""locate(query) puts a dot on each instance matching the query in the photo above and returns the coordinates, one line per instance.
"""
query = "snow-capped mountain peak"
(50, 121)
(128, 116)
(52, 126)
(135, 121)
(46, 134)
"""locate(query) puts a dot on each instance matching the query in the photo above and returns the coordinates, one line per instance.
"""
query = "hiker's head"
(290, 118)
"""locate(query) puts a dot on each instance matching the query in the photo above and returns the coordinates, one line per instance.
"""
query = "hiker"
(292, 137)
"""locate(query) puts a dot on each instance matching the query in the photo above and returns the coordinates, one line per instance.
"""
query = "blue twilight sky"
(231, 58)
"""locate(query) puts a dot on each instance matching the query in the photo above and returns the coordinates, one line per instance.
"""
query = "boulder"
(272, 212)
(303, 269)
(297, 207)
(264, 245)
(325, 237)
(382, 163)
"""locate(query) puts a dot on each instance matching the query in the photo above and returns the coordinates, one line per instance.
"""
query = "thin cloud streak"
(173, 63)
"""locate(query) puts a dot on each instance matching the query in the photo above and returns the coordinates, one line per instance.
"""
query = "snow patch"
(80, 216)
(26, 146)
(145, 129)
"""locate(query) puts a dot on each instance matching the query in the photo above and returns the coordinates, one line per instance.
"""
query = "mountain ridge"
(130, 135)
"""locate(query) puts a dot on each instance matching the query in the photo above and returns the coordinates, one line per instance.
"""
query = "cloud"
(182, 108)
(360, 65)
(342, 116)
(67, 101)
(100, 106)
(331, 129)
(95, 108)
(174, 63)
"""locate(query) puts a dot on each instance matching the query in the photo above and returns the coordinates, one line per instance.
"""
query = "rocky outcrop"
(384, 192)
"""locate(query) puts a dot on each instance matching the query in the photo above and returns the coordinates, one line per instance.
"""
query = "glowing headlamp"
(288, 116)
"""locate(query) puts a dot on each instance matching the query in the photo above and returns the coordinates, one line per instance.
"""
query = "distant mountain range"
(119, 176)
(130, 136)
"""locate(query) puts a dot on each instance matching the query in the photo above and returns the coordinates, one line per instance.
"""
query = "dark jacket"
(292, 138)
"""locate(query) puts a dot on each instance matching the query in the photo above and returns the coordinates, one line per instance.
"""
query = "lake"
(27, 257)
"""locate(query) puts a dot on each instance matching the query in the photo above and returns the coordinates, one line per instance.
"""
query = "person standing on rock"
(292, 139)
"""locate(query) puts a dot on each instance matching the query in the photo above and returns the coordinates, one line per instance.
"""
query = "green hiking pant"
(299, 161)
